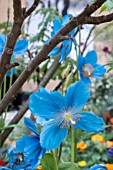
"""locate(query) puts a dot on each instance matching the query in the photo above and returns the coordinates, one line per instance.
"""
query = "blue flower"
(65, 47)
(20, 49)
(110, 151)
(88, 67)
(63, 112)
(27, 151)
(98, 167)
(5, 168)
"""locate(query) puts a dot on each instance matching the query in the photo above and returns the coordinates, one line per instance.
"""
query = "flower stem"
(56, 166)
(72, 148)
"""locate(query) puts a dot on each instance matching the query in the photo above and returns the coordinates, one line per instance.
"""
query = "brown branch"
(13, 36)
(24, 106)
(11, 65)
(98, 20)
(87, 39)
(32, 8)
(43, 54)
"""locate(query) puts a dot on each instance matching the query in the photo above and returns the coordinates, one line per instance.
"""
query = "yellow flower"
(39, 168)
(13, 143)
(109, 144)
(109, 166)
(82, 163)
(97, 138)
(82, 146)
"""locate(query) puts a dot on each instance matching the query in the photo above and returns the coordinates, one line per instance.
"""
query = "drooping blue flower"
(20, 49)
(63, 113)
(65, 47)
(27, 151)
(98, 167)
(88, 67)
(110, 151)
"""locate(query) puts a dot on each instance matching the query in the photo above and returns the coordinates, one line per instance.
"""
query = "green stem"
(72, 148)
(56, 166)
(75, 141)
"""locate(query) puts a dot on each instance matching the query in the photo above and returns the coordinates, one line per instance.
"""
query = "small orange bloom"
(109, 166)
(39, 168)
(109, 144)
(82, 146)
(111, 120)
(98, 138)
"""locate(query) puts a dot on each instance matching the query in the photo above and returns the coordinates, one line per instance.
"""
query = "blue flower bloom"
(98, 167)
(5, 168)
(20, 48)
(62, 112)
(88, 67)
(65, 47)
(110, 151)
(27, 151)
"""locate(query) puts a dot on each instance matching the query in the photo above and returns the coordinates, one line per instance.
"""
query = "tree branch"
(33, 7)
(24, 107)
(43, 54)
(13, 36)
(99, 20)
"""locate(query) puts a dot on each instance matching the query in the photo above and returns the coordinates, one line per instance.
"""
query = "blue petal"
(86, 80)
(90, 122)
(21, 47)
(4, 168)
(31, 125)
(54, 52)
(91, 58)
(77, 95)
(57, 26)
(98, 167)
(81, 60)
(21, 143)
(41, 120)
(66, 49)
(46, 104)
(52, 135)
(3, 39)
(99, 70)
(110, 151)
(66, 19)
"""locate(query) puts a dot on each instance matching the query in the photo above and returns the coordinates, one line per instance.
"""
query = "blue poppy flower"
(63, 112)
(27, 150)
(110, 151)
(65, 47)
(20, 48)
(98, 167)
(41, 121)
(88, 67)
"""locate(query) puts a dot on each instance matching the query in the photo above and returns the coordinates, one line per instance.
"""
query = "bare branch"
(33, 7)
(43, 54)
(85, 45)
(13, 36)
(99, 20)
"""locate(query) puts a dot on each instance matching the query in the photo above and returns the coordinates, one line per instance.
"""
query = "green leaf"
(67, 166)
(9, 126)
(103, 8)
(48, 162)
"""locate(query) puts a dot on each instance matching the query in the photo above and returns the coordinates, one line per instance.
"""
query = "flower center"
(67, 117)
(19, 158)
(87, 70)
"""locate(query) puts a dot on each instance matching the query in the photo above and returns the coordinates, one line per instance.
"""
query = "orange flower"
(109, 144)
(82, 146)
(111, 120)
(39, 168)
(97, 138)
(109, 166)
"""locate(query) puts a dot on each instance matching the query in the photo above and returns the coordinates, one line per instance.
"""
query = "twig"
(87, 39)
(32, 8)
